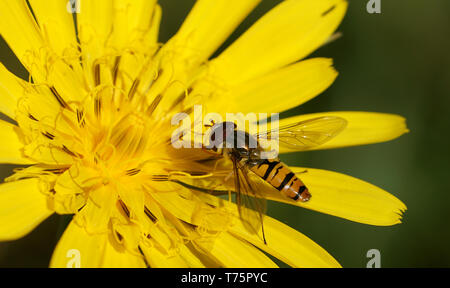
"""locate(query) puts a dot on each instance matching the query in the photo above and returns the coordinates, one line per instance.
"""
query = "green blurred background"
(395, 62)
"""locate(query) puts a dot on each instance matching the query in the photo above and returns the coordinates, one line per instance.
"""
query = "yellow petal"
(132, 18)
(346, 197)
(90, 20)
(193, 211)
(70, 190)
(140, 41)
(287, 33)
(67, 78)
(94, 29)
(156, 259)
(208, 25)
(22, 207)
(362, 128)
(283, 242)
(182, 208)
(10, 90)
(40, 102)
(151, 37)
(192, 258)
(115, 258)
(133, 197)
(56, 23)
(161, 231)
(95, 215)
(18, 28)
(10, 150)
(280, 90)
(77, 246)
(288, 245)
(233, 252)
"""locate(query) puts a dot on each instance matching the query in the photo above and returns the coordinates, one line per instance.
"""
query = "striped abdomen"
(282, 178)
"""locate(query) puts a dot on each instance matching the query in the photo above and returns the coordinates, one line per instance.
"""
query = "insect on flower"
(246, 154)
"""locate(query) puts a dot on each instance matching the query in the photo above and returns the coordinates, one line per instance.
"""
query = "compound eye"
(229, 127)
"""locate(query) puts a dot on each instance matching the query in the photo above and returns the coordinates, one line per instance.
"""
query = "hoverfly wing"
(251, 205)
(307, 134)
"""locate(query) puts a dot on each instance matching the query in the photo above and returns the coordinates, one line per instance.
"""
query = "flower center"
(128, 135)
(120, 138)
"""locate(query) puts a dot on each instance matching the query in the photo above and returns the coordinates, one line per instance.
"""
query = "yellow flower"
(92, 125)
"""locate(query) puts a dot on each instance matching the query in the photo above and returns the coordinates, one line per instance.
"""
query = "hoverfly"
(248, 163)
